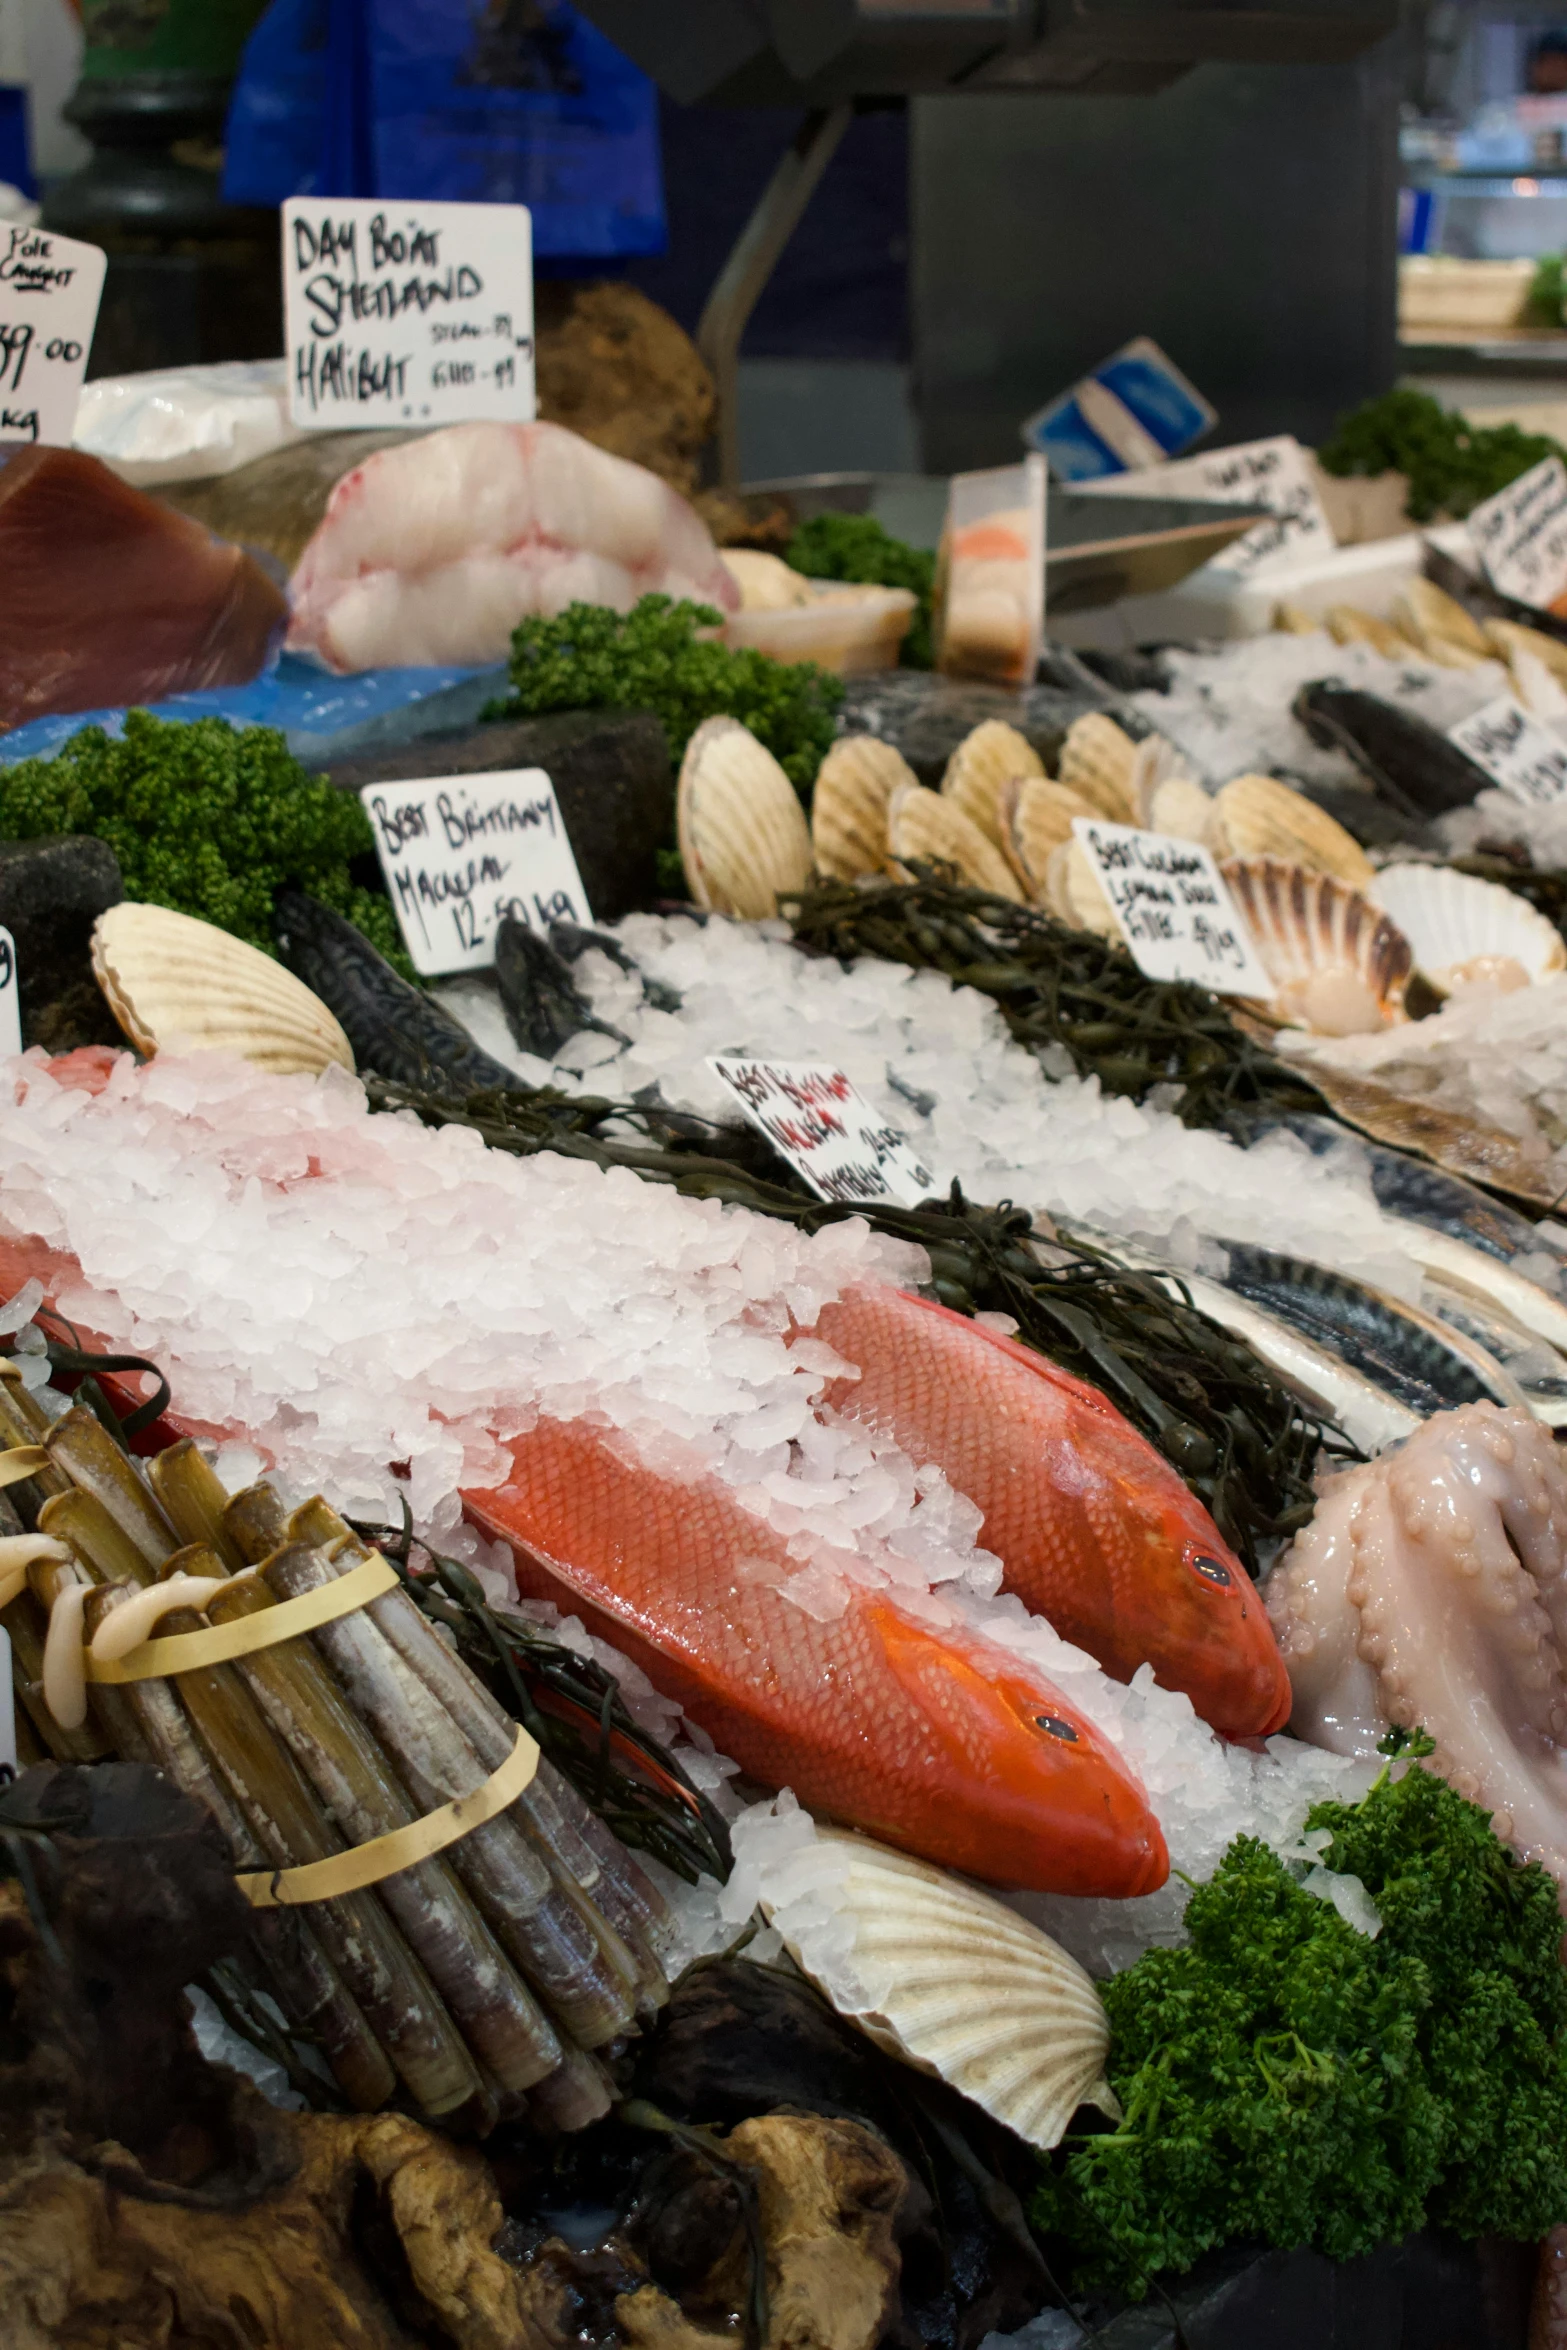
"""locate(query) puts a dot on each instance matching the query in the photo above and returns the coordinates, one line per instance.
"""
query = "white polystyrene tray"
(1213, 602)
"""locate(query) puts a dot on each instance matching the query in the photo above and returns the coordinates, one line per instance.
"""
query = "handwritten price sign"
(461, 853)
(49, 292)
(827, 1131)
(418, 315)
(1174, 907)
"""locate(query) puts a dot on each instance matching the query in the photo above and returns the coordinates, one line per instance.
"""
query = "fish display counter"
(610, 1741)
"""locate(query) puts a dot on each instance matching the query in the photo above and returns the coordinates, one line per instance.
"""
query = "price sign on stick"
(1174, 908)
(1520, 535)
(460, 853)
(827, 1131)
(417, 314)
(49, 292)
(10, 997)
(1524, 757)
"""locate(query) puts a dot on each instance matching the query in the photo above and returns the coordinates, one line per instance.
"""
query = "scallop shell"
(1098, 759)
(743, 834)
(1257, 816)
(924, 827)
(168, 977)
(979, 770)
(1036, 817)
(1155, 762)
(1074, 894)
(955, 1984)
(1338, 963)
(854, 786)
(1349, 626)
(1462, 928)
(1181, 809)
(1440, 626)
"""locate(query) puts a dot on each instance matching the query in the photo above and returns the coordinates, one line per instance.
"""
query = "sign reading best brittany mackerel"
(407, 314)
(461, 852)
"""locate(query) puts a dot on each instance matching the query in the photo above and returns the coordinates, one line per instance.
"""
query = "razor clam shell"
(1404, 1351)
(854, 786)
(1258, 816)
(988, 758)
(168, 978)
(743, 835)
(1305, 924)
(1450, 918)
(967, 1990)
(1099, 759)
(1036, 820)
(922, 827)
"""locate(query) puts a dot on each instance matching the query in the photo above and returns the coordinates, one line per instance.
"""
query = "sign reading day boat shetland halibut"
(827, 1131)
(1523, 756)
(1174, 907)
(407, 314)
(49, 292)
(461, 852)
(1520, 535)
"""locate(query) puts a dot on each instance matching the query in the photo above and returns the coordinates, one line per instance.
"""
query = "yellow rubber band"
(383, 1856)
(22, 1460)
(219, 1644)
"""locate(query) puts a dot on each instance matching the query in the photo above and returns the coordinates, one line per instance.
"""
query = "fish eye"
(1057, 1728)
(1212, 1570)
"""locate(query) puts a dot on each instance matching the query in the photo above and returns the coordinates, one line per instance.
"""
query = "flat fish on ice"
(109, 598)
(433, 551)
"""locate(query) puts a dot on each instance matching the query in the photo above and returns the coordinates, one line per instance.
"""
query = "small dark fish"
(1415, 769)
(396, 1030)
(1406, 1354)
(572, 943)
(1419, 1192)
(543, 1004)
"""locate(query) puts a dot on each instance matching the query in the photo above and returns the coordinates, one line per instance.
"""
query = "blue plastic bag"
(467, 101)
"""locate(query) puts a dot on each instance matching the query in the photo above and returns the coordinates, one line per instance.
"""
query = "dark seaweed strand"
(1243, 1443)
(1055, 985)
(656, 1809)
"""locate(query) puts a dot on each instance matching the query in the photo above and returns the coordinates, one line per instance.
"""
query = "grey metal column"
(1245, 218)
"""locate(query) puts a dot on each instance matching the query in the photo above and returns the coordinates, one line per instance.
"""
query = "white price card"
(416, 314)
(827, 1131)
(10, 996)
(1275, 474)
(1516, 750)
(461, 852)
(1174, 907)
(50, 288)
(1520, 535)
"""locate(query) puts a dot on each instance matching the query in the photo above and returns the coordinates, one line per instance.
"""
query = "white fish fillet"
(432, 552)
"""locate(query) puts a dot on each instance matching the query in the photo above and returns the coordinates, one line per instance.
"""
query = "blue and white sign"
(1135, 410)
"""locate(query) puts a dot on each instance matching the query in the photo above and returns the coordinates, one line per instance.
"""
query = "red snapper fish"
(1095, 1531)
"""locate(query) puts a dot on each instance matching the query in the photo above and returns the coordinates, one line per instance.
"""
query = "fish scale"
(1094, 1530)
(938, 1741)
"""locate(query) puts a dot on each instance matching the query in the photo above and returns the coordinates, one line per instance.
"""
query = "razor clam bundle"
(439, 1915)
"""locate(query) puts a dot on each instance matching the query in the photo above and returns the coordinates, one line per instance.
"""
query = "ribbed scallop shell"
(1155, 762)
(1339, 965)
(982, 766)
(1099, 759)
(854, 787)
(1181, 809)
(964, 1989)
(1074, 893)
(923, 827)
(1036, 817)
(167, 976)
(1456, 925)
(1257, 816)
(1440, 626)
(743, 834)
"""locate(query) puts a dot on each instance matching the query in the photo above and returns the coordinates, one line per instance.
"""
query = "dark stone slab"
(51, 893)
(612, 777)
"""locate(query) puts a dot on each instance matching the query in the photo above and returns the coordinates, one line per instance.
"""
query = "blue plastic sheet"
(492, 102)
(312, 709)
